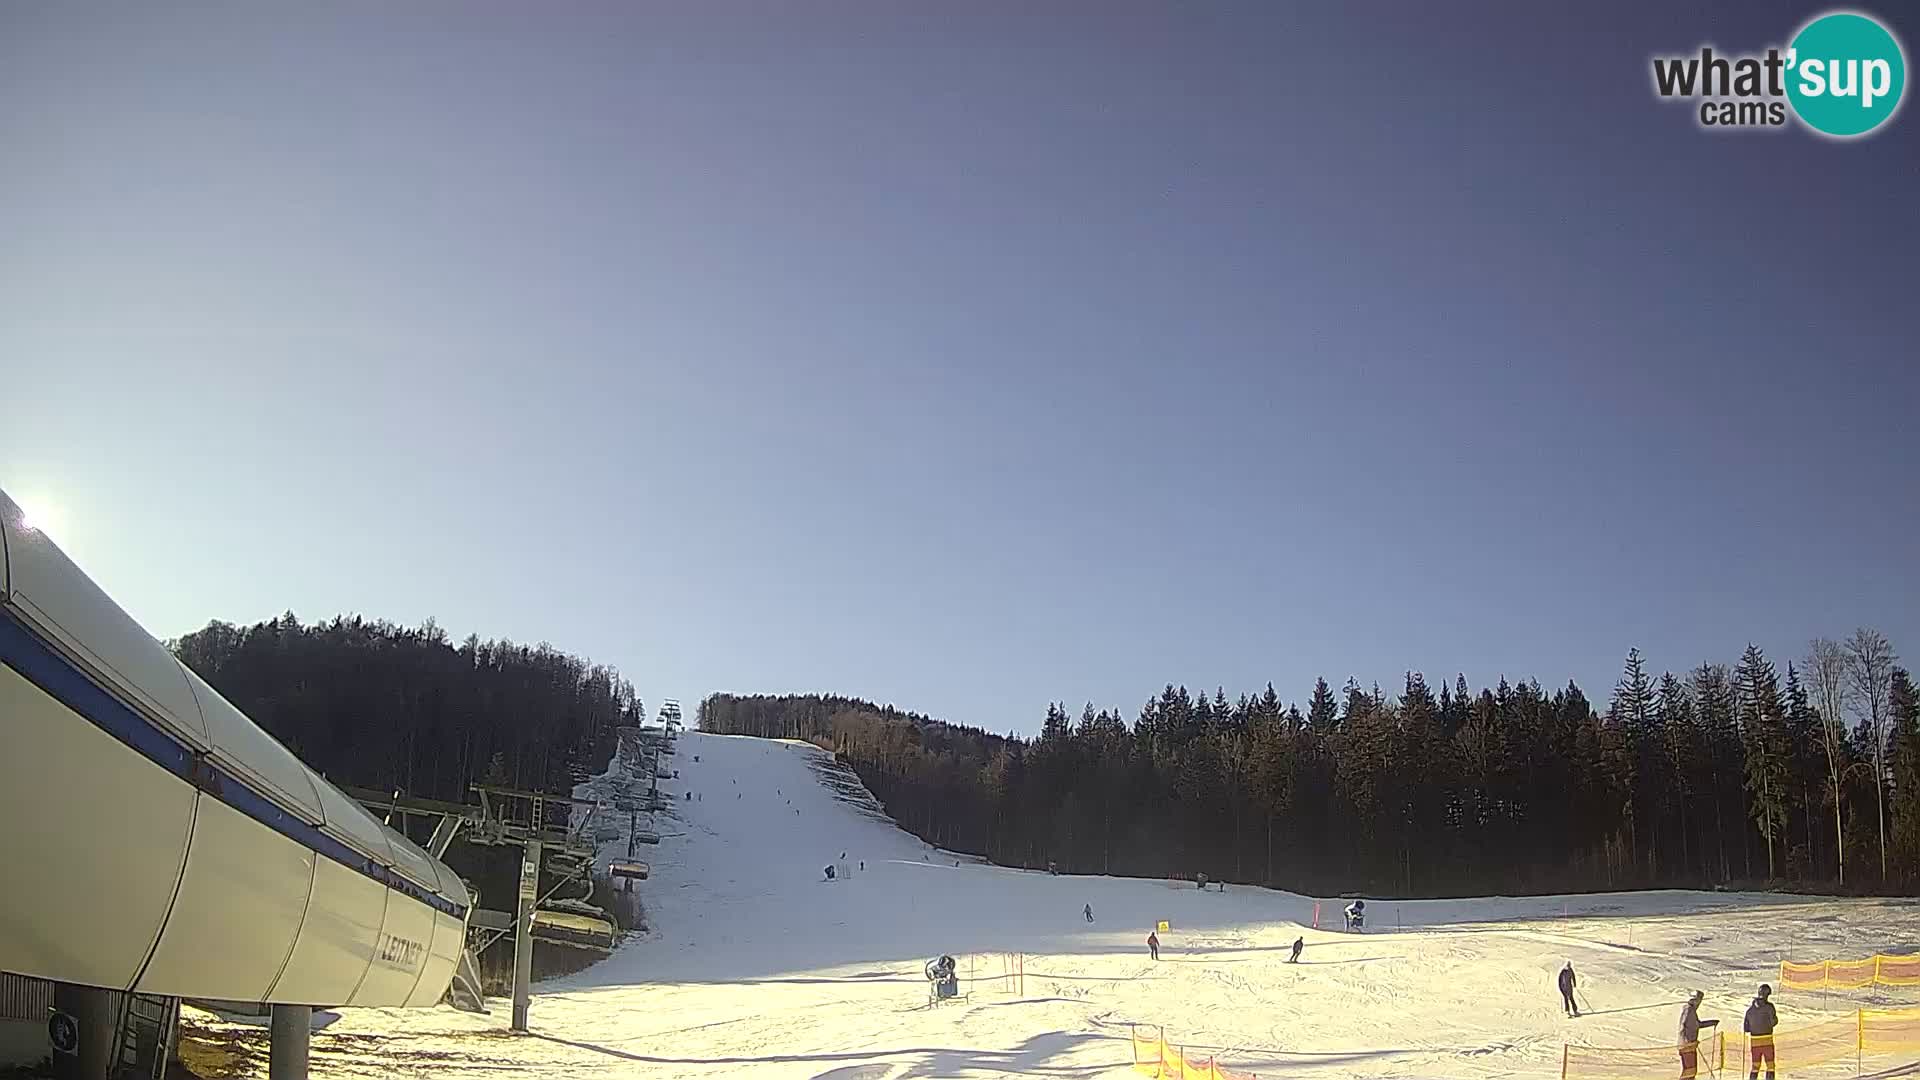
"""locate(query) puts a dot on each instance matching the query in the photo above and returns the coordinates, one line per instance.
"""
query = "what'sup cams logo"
(1843, 75)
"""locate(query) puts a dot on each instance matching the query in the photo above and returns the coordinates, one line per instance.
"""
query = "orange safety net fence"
(1896, 970)
(1828, 1041)
(1147, 1052)
(1633, 1062)
(1154, 1056)
(1887, 1030)
(1877, 970)
(1849, 974)
(1803, 976)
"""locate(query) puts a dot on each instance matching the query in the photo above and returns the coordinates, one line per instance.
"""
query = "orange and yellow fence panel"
(1147, 1052)
(1889, 1030)
(1803, 976)
(1850, 974)
(1896, 970)
(1878, 970)
(1154, 1056)
(1634, 1062)
(1800, 1047)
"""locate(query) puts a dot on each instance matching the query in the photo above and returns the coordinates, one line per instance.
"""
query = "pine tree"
(1713, 702)
(1764, 740)
(1632, 710)
(1803, 753)
(1679, 738)
(1903, 757)
(1323, 713)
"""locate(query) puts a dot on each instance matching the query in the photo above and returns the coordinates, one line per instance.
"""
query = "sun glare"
(37, 516)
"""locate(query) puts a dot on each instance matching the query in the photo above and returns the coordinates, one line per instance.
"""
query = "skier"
(1088, 912)
(1357, 917)
(829, 872)
(1153, 944)
(1759, 1024)
(863, 866)
(1298, 944)
(1567, 1004)
(1202, 879)
(1690, 1025)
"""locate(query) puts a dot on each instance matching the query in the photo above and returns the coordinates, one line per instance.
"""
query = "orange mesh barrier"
(1632, 1063)
(1829, 1041)
(1884, 1031)
(1880, 970)
(1154, 1056)
(1803, 976)
(1147, 1052)
(1849, 974)
(1896, 970)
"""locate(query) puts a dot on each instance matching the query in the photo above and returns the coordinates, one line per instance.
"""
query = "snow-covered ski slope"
(754, 965)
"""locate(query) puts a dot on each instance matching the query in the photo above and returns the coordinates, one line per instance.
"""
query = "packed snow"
(754, 964)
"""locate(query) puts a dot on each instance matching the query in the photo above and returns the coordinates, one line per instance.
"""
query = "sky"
(961, 356)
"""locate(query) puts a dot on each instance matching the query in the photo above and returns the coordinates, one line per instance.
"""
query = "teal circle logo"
(1845, 75)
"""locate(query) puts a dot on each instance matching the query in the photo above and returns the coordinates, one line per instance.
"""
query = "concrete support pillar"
(95, 1013)
(523, 933)
(292, 1032)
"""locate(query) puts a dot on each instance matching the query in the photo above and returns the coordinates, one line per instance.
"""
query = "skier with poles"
(1567, 982)
(1690, 1025)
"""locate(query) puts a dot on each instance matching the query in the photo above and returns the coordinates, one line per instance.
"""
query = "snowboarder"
(1690, 1025)
(1088, 912)
(1357, 917)
(1153, 944)
(1567, 1004)
(1759, 1024)
(1298, 944)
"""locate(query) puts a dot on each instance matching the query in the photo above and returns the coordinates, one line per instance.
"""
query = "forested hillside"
(1716, 775)
(394, 707)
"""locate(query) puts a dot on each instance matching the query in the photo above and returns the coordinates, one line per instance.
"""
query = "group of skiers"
(1759, 1022)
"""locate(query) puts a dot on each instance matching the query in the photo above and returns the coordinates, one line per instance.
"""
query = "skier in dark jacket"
(1298, 944)
(1088, 912)
(1571, 1007)
(1690, 1025)
(1759, 1025)
(1153, 944)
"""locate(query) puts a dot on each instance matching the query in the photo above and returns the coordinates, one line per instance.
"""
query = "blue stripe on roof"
(24, 652)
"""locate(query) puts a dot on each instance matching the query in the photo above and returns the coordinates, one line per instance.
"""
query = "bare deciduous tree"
(1870, 659)
(1826, 666)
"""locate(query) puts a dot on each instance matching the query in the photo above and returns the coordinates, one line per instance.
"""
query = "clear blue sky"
(965, 360)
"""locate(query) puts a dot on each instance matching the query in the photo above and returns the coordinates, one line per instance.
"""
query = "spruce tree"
(1903, 758)
(1323, 712)
(1764, 743)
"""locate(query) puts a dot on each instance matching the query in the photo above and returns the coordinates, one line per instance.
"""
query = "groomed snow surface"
(756, 966)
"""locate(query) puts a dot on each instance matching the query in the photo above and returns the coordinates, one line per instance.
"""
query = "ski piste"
(750, 968)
